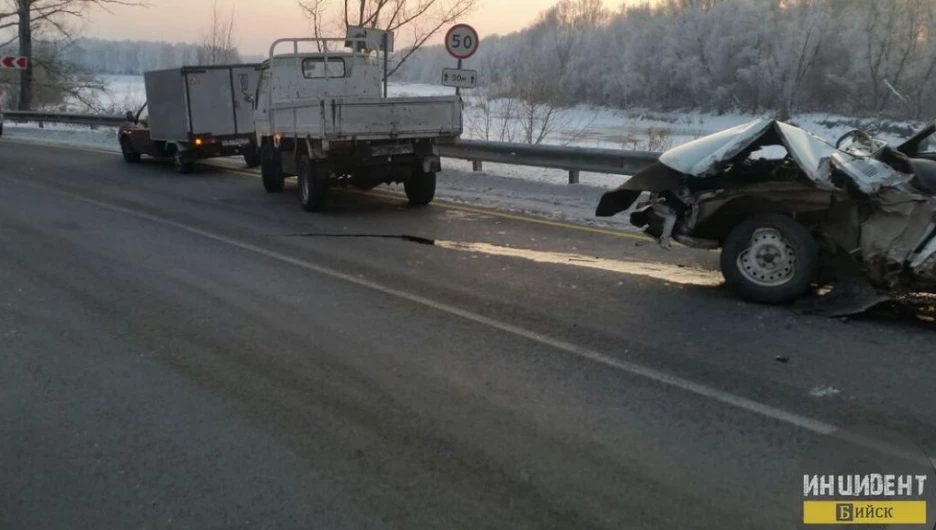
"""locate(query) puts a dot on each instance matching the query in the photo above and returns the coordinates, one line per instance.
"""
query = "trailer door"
(211, 101)
(245, 80)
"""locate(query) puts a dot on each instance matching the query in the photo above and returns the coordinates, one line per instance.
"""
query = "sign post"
(374, 39)
(461, 42)
(12, 61)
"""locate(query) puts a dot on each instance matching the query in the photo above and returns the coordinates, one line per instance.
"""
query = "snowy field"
(583, 126)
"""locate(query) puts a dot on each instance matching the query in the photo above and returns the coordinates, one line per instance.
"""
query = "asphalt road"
(188, 351)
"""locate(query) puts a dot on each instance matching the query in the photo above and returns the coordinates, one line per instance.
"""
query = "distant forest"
(855, 57)
(127, 57)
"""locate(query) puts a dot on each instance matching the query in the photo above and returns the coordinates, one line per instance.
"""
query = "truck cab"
(315, 76)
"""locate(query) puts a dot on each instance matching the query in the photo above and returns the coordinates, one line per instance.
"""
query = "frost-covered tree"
(865, 57)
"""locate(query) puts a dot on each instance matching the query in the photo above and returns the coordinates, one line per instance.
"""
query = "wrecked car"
(789, 210)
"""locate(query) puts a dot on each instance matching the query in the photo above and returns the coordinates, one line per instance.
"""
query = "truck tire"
(252, 156)
(313, 184)
(770, 259)
(181, 162)
(129, 154)
(271, 169)
(420, 186)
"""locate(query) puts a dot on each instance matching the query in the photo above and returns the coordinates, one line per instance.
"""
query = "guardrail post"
(476, 165)
(573, 176)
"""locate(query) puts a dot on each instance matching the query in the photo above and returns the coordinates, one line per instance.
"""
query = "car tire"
(180, 162)
(313, 184)
(420, 187)
(769, 259)
(271, 169)
(129, 154)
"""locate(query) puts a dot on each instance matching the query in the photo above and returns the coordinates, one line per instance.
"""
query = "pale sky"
(259, 22)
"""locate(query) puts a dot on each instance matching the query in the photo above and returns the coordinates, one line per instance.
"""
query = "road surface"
(188, 351)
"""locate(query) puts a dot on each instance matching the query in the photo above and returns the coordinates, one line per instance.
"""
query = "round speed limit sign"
(461, 41)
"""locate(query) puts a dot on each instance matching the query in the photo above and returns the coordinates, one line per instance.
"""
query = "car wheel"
(271, 169)
(770, 259)
(313, 184)
(420, 187)
(129, 155)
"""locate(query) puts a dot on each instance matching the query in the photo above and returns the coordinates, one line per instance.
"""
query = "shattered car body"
(857, 209)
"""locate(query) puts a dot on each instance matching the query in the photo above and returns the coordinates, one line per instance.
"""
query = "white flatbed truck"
(321, 117)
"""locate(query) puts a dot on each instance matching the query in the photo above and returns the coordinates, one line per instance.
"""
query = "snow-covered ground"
(584, 126)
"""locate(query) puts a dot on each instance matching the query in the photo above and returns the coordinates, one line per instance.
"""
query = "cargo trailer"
(194, 112)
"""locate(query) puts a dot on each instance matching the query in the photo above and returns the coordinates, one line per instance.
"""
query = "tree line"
(854, 57)
(62, 65)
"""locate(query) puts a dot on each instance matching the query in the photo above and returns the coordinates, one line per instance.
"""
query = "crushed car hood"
(706, 156)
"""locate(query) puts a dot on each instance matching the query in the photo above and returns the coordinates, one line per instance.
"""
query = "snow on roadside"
(63, 134)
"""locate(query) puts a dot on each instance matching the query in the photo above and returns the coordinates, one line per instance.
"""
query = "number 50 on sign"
(461, 41)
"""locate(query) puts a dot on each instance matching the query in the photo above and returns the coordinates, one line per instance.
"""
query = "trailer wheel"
(126, 149)
(181, 162)
(252, 156)
(271, 169)
(770, 259)
(420, 186)
(313, 184)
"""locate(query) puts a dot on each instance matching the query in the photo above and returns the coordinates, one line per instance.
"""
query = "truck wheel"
(420, 187)
(769, 259)
(271, 169)
(252, 156)
(181, 162)
(313, 184)
(129, 155)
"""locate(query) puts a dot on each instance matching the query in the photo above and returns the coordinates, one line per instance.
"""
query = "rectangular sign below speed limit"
(459, 78)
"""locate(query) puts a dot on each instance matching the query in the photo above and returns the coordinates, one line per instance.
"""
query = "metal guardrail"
(21, 116)
(571, 159)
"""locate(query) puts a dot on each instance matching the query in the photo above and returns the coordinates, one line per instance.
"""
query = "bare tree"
(217, 44)
(50, 17)
(490, 117)
(413, 21)
(808, 30)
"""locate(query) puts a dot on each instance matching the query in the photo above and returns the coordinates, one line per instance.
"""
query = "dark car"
(784, 206)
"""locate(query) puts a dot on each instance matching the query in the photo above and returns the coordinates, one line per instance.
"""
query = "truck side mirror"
(130, 117)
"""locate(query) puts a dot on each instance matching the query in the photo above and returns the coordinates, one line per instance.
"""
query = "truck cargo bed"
(369, 118)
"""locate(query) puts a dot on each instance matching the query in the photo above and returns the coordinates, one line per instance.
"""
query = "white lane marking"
(652, 374)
